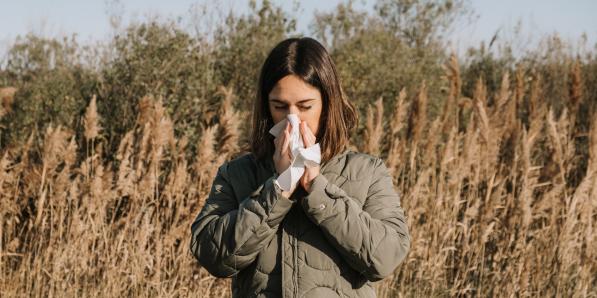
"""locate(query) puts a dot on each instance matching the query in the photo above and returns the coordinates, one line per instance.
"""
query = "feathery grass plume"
(125, 181)
(374, 129)
(400, 111)
(397, 144)
(419, 113)
(60, 185)
(156, 133)
(530, 177)
(6, 176)
(145, 107)
(178, 177)
(503, 96)
(162, 134)
(559, 142)
(530, 173)
(143, 144)
(448, 162)
(179, 192)
(92, 128)
(535, 97)
(96, 188)
(91, 120)
(450, 109)
(490, 132)
(55, 144)
(206, 163)
(469, 160)
(229, 124)
(537, 107)
(499, 116)
(417, 123)
(587, 218)
(144, 126)
(519, 90)
(9, 208)
(509, 122)
(593, 145)
(480, 98)
(431, 141)
(450, 150)
(510, 107)
(575, 89)
(7, 95)
(244, 140)
(20, 169)
(162, 131)
(579, 223)
(571, 240)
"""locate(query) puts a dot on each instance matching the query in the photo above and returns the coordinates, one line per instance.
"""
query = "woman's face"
(292, 95)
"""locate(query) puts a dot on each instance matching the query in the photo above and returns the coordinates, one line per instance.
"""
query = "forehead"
(293, 89)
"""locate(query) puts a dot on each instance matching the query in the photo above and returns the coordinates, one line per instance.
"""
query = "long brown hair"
(308, 59)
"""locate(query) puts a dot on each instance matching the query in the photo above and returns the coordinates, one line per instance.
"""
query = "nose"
(293, 110)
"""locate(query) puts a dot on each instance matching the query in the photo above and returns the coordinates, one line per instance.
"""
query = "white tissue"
(301, 156)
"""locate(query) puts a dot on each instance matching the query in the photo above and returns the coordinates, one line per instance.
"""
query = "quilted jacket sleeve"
(227, 236)
(373, 239)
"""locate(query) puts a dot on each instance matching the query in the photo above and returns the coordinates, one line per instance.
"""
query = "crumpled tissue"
(301, 156)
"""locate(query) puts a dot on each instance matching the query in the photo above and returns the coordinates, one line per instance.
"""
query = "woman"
(337, 230)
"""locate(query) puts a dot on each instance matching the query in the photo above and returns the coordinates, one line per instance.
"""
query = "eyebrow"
(300, 101)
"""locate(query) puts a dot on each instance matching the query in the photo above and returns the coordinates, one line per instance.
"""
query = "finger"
(310, 135)
(281, 136)
(305, 132)
(303, 135)
(312, 138)
(279, 140)
(285, 146)
(277, 146)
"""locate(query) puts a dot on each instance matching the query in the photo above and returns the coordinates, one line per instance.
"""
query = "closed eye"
(285, 107)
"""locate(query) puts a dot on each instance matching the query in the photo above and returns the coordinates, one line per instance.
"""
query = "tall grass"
(488, 188)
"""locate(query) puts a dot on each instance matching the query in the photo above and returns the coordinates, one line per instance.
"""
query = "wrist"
(309, 184)
(278, 187)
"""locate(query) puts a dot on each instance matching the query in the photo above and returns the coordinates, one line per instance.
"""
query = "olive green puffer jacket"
(333, 242)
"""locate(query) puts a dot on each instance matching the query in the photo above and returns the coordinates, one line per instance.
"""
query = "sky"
(90, 20)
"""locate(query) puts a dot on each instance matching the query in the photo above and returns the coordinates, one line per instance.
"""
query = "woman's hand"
(282, 155)
(310, 172)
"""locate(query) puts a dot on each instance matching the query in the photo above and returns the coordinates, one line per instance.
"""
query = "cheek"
(313, 121)
(277, 116)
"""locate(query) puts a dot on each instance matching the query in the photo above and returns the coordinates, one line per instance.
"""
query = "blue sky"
(89, 19)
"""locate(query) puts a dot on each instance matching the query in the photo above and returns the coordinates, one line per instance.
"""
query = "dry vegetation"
(486, 186)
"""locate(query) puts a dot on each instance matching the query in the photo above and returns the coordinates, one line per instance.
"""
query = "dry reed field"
(489, 187)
